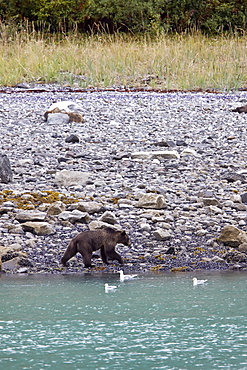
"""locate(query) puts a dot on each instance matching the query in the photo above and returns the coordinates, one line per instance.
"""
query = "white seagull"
(110, 288)
(126, 277)
(198, 282)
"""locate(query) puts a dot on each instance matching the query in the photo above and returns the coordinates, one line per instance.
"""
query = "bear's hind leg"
(115, 256)
(87, 259)
(70, 252)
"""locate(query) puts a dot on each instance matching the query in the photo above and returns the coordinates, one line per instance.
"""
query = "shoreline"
(117, 138)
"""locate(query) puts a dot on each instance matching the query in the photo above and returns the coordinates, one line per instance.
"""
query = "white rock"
(31, 215)
(161, 234)
(150, 200)
(189, 151)
(100, 225)
(74, 216)
(145, 227)
(66, 105)
(38, 228)
(71, 178)
(167, 154)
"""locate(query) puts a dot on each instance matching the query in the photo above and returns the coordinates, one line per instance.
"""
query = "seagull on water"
(198, 282)
(126, 277)
(110, 288)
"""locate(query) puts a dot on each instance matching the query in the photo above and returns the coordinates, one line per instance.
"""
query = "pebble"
(179, 196)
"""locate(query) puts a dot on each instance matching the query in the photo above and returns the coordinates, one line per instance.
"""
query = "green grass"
(184, 62)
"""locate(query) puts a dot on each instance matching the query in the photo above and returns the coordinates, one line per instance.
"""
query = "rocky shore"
(169, 168)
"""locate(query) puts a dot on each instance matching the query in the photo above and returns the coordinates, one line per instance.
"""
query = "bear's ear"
(123, 232)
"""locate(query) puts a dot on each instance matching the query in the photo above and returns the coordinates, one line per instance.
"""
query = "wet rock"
(16, 263)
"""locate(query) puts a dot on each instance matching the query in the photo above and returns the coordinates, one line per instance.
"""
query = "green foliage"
(153, 16)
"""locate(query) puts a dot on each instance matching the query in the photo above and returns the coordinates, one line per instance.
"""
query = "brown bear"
(88, 241)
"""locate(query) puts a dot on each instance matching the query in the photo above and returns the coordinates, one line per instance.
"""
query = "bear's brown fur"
(88, 241)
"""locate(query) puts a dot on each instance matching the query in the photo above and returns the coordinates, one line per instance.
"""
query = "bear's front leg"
(103, 255)
(87, 257)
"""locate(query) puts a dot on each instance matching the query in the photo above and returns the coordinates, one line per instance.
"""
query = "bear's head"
(123, 238)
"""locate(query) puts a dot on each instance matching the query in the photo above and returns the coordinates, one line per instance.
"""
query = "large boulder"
(70, 109)
(13, 258)
(74, 217)
(38, 228)
(89, 207)
(232, 236)
(5, 169)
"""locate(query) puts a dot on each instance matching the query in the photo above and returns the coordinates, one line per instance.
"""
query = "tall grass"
(166, 62)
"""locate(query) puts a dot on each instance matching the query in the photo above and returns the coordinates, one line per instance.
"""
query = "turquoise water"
(157, 321)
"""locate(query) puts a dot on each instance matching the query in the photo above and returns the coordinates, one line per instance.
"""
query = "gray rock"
(72, 139)
(6, 175)
(56, 208)
(233, 176)
(167, 154)
(58, 119)
(210, 202)
(244, 197)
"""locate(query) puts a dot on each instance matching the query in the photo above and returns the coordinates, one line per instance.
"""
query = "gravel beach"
(169, 168)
